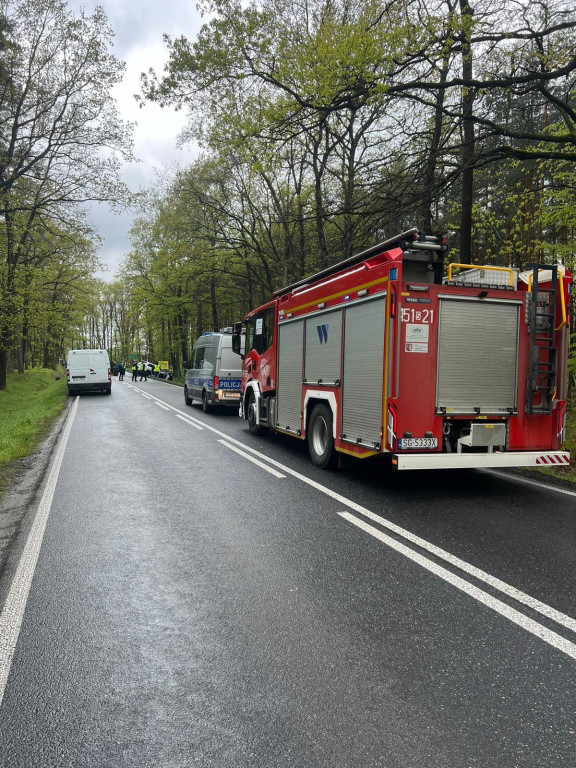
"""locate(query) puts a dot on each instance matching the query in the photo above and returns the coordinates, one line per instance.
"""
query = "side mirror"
(237, 339)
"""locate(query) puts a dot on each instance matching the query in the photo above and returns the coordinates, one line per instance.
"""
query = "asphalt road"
(191, 607)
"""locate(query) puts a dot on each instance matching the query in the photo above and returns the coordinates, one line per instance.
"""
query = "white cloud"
(155, 128)
(138, 41)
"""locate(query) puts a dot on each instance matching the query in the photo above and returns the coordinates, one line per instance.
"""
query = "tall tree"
(388, 116)
(468, 150)
(60, 135)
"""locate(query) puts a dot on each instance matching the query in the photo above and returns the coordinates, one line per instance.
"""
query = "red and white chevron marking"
(552, 459)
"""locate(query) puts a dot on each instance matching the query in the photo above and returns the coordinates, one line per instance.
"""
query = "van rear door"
(88, 369)
(229, 373)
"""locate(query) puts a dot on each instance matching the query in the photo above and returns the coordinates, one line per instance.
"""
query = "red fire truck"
(394, 352)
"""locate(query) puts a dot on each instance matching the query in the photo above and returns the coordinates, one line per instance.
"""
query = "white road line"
(149, 398)
(161, 406)
(188, 421)
(252, 459)
(566, 621)
(552, 638)
(15, 605)
(493, 581)
(527, 481)
(477, 573)
(192, 420)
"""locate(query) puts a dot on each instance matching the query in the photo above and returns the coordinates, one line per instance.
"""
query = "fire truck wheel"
(254, 428)
(320, 438)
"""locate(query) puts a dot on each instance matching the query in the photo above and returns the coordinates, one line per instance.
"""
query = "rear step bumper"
(472, 460)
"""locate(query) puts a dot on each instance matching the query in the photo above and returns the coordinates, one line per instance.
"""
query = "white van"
(88, 370)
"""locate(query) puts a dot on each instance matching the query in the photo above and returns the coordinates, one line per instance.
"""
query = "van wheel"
(109, 391)
(320, 438)
(205, 407)
(187, 400)
(254, 428)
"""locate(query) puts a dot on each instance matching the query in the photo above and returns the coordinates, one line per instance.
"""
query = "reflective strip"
(553, 459)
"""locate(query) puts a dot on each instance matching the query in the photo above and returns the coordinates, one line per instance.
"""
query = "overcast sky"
(139, 26)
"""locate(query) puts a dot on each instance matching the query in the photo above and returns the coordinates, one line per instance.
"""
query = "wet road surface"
(192, 607)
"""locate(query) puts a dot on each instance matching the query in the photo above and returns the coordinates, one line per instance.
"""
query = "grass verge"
(28, 406)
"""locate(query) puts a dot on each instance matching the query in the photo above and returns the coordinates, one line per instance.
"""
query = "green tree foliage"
(388, 117)
(180, 281)
(60, 136)
(53, 295)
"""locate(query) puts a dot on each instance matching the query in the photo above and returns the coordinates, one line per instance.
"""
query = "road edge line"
(14, 608)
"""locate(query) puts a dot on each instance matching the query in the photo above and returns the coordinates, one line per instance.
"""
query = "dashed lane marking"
(252, 459)
(190, 422)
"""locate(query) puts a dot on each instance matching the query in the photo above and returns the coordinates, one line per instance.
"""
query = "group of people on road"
(139, 369)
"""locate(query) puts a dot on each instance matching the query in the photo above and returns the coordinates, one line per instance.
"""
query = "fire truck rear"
(394, 352)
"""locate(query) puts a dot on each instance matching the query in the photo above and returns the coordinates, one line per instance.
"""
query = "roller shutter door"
(363, 373)
(289, 386)
(477, 356)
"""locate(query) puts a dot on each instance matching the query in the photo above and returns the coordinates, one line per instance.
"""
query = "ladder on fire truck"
(543, 361)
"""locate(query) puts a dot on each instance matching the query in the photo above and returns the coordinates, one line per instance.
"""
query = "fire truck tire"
(254, 428)
(320, 438)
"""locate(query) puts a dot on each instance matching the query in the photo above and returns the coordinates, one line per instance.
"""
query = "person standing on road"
(134, 370)
(143, 371)
(156, 372)
(121, 371)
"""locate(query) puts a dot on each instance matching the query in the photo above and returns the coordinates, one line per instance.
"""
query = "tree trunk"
(468, 149)
(318, 168)
(19, 352)
(428, 193)
(349, 184)
(214, 303)
(3, 364)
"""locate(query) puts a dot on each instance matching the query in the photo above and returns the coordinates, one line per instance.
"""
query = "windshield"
(260, 331)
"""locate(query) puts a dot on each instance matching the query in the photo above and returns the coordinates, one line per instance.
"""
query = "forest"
(324, 127)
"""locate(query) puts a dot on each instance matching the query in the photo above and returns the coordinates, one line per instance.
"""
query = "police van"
(88, 370)
(213, 376)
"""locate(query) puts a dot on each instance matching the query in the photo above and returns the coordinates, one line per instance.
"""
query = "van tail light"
(109, 375)
(68, 374)
(215, 382)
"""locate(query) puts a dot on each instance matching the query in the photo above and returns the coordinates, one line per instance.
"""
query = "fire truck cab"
(384, 353)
